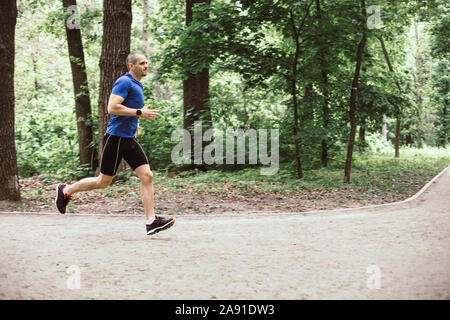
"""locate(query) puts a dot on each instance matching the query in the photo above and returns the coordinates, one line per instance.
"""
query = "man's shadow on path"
(160, 239)
(150, 238)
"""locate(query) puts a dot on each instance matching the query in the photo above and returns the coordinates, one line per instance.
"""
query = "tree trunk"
(419, 103)
(397, 125)
(115, 48)
(418, 84)
(9, 176)
(35, 75)
(196, 95)
(362, 137)
(397, 138)
(308, 113)
(408, 138)
(326, 117)
(353, 94)
(388, 62)
(296, 130)
(294, 97)
(81, 91)
(296, 35)
(325, 103)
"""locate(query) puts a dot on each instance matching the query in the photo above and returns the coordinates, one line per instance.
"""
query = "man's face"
(140, 67)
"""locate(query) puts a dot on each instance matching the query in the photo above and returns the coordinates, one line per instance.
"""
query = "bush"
(377, 144)
(46, 143)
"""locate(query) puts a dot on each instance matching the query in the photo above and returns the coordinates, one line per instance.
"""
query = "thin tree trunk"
(115, 48)
(417, 85)
(9, 176)
(308, 113)
(397, 138)
(362, 136)
(353, 94)
(408, 139)
(35, 75)
(296, 131)
(397, 125)
(196, 95)
(325, 103)
(81, 91)
(294, 97)
(296, 34)
(326, 117)
(388, 62)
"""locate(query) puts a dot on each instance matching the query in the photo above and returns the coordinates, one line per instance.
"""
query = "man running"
(126, 105)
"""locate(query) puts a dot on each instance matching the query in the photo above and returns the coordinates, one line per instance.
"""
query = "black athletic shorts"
(115, 148)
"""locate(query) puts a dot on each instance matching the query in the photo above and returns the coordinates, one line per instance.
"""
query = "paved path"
(390, 252)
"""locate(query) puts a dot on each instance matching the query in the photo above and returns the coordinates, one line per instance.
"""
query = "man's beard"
(142, 73)
(139, 73)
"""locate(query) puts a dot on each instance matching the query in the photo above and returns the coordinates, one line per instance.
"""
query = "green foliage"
(249, 49)
(440, 45)
(440, 98)
(46, 144)
(155, 136)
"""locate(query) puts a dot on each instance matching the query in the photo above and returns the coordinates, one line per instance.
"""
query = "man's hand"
(149, 113)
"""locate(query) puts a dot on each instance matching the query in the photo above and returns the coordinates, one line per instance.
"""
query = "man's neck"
(134, 76)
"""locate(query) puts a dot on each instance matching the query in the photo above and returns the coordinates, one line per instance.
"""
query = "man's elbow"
(110, 109)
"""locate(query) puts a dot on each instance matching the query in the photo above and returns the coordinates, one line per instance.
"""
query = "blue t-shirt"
(131, 90)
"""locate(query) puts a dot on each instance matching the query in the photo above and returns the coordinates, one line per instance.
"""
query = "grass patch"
(373, 173)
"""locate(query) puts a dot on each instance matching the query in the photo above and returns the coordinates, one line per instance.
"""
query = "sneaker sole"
(164, 227)
(56, 199)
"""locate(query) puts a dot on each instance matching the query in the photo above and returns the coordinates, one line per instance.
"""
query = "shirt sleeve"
(120, 88)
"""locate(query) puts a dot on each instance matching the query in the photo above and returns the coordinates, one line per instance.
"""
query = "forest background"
(357, 89)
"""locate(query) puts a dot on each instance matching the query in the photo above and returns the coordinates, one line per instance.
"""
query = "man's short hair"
(133, 57)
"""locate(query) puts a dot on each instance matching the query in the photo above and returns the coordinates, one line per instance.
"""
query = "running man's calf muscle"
(100, 182)
(103, 181)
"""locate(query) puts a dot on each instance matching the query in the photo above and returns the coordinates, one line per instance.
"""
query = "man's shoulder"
(123, 79)
(122, 83)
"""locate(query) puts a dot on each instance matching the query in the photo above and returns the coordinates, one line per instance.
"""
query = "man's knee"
(147, 177)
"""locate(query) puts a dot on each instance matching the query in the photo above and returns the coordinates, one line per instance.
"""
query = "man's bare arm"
(115, 107)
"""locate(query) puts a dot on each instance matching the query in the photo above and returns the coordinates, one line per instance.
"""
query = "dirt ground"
(399, 251)
(39, 194)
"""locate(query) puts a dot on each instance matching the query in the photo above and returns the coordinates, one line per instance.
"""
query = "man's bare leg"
(147, 192)
(154, 224)
(86, 184)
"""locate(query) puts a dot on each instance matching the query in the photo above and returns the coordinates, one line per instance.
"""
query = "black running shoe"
(61, 200)
(159, 224)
